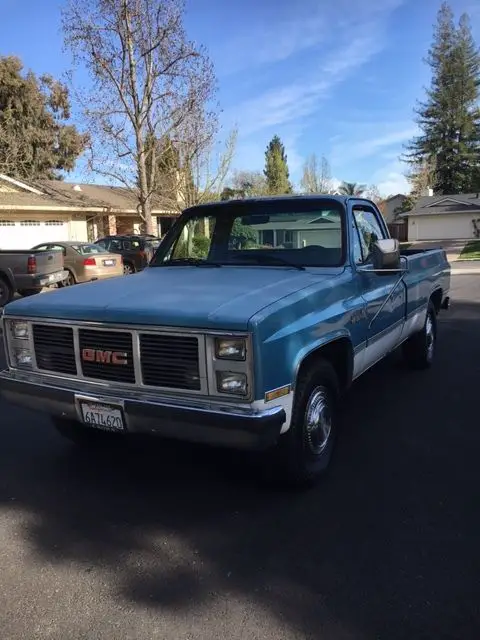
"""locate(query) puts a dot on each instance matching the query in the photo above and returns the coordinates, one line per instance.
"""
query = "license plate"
(109, 263)
(102, 416)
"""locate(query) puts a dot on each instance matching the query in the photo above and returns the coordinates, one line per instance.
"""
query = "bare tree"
(372, 193)
(251, 183)
(317, 177)
(203, 169)
(422, 176)
(148, 82)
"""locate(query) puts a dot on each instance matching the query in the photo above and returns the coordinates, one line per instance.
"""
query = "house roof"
(445, 204)
(397, 195)
(57, 194)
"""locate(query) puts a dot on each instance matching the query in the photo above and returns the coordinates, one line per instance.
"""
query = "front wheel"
(419, 349)
(303, 453)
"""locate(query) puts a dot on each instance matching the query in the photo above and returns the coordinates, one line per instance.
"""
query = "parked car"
(136, 250)
(245, 346)
(28, 272)
(85, 261)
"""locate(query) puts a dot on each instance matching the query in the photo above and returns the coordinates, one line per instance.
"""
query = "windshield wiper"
(181, 262)
(267, 258)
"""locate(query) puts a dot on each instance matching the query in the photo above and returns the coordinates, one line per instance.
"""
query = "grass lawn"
(471, 251)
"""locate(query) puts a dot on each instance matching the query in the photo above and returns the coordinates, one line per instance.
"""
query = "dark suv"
(136, 250)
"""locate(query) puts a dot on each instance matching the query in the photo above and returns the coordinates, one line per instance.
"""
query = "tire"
(84, 437)
(419, 349)
(6, 292)
(128, 269)
(69, 281)
(28, 292)
(303, 453)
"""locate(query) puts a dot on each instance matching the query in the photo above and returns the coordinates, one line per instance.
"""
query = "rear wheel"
(128, 269)
(419, 349)
(6, 292)
(69, 281)
(303, 453)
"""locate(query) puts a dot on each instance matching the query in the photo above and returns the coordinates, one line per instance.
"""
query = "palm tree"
(352, 189)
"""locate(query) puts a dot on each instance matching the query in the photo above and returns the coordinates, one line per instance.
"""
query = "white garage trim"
(30, 230)
(453, 226)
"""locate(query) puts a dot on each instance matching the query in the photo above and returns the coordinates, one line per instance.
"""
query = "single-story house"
(390, 206)
(53, 210)
(295, 234)
(444, 217)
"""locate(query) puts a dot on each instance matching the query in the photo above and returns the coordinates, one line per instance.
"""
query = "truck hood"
(186, 296)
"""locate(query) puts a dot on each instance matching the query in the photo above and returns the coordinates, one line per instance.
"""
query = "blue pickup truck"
(249, 325)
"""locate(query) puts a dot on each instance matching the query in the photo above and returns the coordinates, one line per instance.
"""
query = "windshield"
(88, 249)
(284, 232)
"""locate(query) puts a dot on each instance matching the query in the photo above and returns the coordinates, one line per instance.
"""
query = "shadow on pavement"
(385, 547)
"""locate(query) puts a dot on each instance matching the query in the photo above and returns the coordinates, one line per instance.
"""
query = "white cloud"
(348, 148)
(391, 179)
(300, 28)
(264, 45)
(346, 54)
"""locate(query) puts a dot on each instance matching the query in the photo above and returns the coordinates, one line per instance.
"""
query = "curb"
(465, 272)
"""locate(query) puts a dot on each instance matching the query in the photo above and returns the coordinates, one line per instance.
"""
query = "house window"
(7, 223)
(29, 223)
(54, 223)
(267, 237)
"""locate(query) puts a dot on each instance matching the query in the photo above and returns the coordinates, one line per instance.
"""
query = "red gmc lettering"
(119, 357)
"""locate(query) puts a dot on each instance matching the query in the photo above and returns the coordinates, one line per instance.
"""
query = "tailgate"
(48, 262)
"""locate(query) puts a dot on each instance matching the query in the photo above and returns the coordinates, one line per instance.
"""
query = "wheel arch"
(338, 351)
(436, 297)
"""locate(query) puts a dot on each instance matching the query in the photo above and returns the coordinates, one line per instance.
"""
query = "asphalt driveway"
(176, 542)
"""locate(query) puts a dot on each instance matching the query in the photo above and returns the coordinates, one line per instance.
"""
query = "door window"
(369, 231)
(115, 245)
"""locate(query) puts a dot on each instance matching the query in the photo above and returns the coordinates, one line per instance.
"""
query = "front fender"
(323, 341)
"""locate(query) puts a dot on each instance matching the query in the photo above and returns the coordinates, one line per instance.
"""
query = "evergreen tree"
(276, 168)
(36, 141)
(449, 118)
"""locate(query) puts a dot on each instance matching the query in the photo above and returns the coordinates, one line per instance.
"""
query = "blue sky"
(334, 77)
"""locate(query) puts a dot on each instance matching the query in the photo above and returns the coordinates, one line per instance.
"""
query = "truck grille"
(104, 344)
(54, 348)
(170, 361)
(165, 361)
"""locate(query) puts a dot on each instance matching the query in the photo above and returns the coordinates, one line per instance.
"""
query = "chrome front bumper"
(200, 421)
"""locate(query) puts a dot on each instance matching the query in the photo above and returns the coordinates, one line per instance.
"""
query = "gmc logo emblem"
(105, 357)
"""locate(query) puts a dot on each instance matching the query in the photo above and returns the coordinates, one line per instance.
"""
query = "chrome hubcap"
(430, 336)
(318, 421)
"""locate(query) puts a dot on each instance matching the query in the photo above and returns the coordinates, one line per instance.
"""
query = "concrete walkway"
(453, 249)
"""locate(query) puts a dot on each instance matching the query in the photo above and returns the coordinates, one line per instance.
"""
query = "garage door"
(24, 234)
(450, 227)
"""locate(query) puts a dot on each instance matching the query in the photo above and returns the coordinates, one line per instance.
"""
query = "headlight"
(19, 330)
(230, 348)
(21, 358)
(17, 334)
(230, 382)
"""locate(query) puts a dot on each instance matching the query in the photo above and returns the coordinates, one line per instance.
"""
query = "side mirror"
(386, 254)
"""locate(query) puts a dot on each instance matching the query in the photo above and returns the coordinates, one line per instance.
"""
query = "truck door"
(384, 294)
